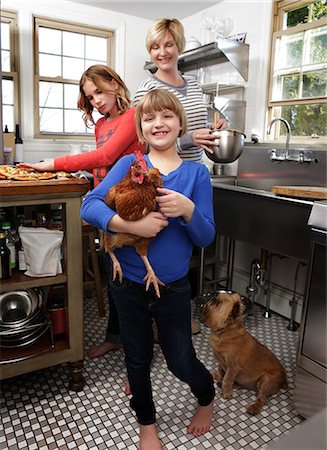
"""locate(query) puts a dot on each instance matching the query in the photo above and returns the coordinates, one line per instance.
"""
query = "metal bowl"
(18, 307)
(229, 146)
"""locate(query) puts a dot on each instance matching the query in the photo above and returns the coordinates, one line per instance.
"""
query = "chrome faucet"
(288, 132)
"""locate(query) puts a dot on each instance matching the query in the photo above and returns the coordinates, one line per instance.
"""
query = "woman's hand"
(203, 138)
(221, 124)
(174, 204)
(40, 166)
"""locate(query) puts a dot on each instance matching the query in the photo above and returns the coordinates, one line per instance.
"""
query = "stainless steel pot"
(18, 308)
(229, 146)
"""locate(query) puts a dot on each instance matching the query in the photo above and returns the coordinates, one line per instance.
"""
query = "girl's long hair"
(100, 75)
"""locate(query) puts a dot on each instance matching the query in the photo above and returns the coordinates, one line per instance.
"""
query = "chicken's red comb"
(139, 156)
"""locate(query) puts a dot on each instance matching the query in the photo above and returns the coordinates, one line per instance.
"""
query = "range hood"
(221, 50)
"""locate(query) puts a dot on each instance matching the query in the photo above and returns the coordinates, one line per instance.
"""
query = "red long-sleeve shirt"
(114, 139)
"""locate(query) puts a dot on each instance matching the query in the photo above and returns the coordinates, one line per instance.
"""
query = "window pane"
(296, 16)
(51, 120)
(318, 47)
(50, 66)
(8, 117)
(96, 48)
(306, 120)
(49, 41)
(51, 94)
(74, 122)
(319, 10)
(73, 44)
(5, 36)
(8, 92)
(73, 68)
(92, 62)
(5, 60)
(315, 84)
(71, 92)
(289, 51)
(290, 86)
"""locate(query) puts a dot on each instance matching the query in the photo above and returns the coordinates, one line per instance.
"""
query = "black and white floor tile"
(39, 413)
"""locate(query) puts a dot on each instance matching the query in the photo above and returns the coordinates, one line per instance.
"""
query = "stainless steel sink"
(250, 212)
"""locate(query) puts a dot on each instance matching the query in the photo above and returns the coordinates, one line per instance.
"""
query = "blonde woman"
(165, 41)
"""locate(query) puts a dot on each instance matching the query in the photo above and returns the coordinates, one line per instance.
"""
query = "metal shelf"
(222, 50)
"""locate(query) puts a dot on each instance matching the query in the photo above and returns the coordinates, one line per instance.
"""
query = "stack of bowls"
(22, 320)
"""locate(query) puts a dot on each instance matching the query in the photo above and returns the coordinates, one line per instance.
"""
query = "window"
(298, 82)
(63, 52)
(9, 70)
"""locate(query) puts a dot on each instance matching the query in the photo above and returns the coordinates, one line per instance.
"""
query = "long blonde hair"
(159, 28)
(102, 74)
(159, 100)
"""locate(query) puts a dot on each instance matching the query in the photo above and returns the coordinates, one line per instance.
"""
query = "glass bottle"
(19, 146)
(10, 243)
(5, 269)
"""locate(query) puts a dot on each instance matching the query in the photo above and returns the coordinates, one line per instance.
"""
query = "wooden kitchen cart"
(20, 360)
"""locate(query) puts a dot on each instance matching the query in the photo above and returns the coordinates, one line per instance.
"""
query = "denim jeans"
(113, 330)
(172, 313)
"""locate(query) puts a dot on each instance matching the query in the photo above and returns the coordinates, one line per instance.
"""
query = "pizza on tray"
(25, 174)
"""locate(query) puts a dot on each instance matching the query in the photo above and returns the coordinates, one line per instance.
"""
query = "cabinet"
(70, 350)
(228, 98)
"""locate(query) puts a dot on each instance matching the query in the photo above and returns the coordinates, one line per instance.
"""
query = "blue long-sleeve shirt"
(171, 250)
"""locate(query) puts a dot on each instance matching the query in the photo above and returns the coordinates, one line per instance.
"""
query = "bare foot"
(149, 439)
(102, 349)
(201, 422)
(127, 388)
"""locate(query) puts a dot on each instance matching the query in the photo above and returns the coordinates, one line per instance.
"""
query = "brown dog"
(242, 359)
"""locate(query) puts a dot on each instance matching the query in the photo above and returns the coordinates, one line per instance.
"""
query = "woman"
(165, 41)
(102, 88)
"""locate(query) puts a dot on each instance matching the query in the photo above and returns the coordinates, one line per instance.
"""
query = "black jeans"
(113, 329)
(172, 313)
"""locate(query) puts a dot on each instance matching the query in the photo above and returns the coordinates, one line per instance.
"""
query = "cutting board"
(314, 192)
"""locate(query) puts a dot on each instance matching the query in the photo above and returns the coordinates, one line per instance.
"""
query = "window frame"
(11, 17)
(70, 27)
(279, 8)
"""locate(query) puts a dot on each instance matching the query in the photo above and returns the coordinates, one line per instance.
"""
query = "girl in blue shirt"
(185, 218)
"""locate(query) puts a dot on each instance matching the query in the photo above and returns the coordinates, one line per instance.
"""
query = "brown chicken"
(133, 198)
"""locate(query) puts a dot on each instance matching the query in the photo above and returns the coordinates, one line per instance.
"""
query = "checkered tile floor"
(38, 412)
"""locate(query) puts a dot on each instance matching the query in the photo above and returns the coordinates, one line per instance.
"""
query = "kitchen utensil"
(315, 192)
(229, 146)
(192, 43)
(17, 306)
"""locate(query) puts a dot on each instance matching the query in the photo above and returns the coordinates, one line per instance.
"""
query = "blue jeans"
(172, 313)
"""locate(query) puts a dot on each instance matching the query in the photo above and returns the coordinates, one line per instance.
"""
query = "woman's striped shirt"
(190, 96)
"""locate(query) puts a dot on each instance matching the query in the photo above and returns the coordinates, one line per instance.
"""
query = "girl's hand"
(41, 166)
(174, 204)
(150, 225)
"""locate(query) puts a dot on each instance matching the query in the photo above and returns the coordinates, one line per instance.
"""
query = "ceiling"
(151, 9)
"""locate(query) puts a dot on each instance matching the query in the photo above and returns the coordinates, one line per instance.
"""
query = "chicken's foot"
(151, 277)
(116, 267)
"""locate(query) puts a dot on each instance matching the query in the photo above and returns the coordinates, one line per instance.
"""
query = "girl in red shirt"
(102, 88)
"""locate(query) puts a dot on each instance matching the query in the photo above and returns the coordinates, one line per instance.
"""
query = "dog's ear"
(235, 312)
